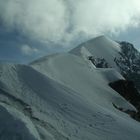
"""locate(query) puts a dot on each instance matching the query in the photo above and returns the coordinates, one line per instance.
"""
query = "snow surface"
(15, 126)
(63, 97)
(100, 47)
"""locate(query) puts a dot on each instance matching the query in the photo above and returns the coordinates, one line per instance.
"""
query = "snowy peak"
(100, 42)
(105, 53)
(100, 47)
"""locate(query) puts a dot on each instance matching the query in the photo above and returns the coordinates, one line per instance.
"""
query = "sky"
(33, 28)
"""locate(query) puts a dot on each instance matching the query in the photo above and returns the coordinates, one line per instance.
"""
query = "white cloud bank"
(62, 21)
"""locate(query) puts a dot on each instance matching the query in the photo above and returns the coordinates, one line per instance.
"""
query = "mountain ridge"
(66, 97)
(125, 58)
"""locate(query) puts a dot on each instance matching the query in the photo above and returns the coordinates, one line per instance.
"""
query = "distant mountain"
(66, 96)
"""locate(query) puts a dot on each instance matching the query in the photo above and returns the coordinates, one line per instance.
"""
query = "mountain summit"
(68, 96)
(106, 53)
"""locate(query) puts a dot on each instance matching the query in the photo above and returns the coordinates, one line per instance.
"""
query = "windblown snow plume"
(61, 21)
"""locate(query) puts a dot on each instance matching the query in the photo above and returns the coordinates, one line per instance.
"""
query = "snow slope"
(100, 47)
(106, 53)
(90, 110)
(78, 75)
(15, 126)
(62, 97)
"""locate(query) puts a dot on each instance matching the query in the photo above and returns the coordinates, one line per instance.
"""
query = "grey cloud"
(62, 21)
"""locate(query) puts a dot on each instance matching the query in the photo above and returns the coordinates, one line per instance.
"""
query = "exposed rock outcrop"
(128, 90)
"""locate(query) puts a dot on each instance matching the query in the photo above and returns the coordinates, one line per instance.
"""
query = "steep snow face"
(100, 47)
(105, 53)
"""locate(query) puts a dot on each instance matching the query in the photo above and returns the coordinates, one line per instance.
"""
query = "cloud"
(106, 16)
(39, 19)
(27, 50)
(63, 21)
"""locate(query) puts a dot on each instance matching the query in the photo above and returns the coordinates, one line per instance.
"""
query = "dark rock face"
(128, 90)
(129, 62)
(99, 62)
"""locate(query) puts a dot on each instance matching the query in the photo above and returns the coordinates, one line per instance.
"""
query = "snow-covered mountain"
(66, 97)
(106, 53)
